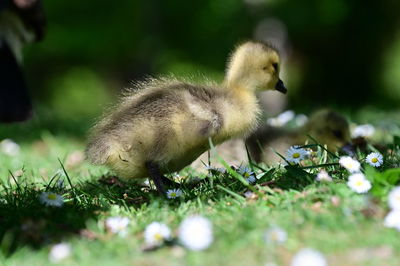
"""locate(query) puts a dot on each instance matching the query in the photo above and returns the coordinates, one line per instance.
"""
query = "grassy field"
(327, 216)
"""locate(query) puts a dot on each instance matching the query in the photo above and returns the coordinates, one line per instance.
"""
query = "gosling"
(163, 125)
(326, 126)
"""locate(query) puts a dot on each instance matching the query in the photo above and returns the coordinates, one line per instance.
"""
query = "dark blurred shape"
(281, 87)
(21, 22)
(15, 103)
(335, 48)
(360, 143)
(325, 126)
(341, 45)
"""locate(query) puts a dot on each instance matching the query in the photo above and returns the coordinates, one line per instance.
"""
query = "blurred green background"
(336, 53)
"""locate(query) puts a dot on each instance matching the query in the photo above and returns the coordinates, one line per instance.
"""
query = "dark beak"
(280, 86)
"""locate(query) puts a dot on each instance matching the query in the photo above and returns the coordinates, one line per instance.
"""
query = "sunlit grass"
(327, 216)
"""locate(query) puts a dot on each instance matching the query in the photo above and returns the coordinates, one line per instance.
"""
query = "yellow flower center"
(374, 160)
(296, 155)
(52, 196)
(158, 237)
(246, 174)
(274, 236)
(359, 183)
(173, 194)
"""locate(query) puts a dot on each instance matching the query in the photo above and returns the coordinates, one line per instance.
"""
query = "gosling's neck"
(234, 81)
(243, 91)
(242, 117)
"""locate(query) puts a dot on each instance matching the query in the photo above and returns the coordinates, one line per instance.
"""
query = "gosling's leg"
(157, 177)
(162, 183)
(169, 182)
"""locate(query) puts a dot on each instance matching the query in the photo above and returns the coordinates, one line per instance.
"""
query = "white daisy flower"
(323, 176)
(251, 180)
(309, 257)
(358, 183)
(282, 119)
(363, 131)
(196, 233)
(301, 120)
(392, 220)
(156, 233)
(275, 235)
(353, 166)
(394, 198)
(274, 122)
(59, 252)
(286, 116)
(174, 193)
(9, 147)
(295, 154)
(51, 199)
(375, 159)
(247, 174)
(245, 171)
(117, 225)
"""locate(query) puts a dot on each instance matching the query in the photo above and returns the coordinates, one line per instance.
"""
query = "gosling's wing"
(155, 102)
(203, 104)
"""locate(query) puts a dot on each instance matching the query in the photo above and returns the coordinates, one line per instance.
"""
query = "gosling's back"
(167, 122)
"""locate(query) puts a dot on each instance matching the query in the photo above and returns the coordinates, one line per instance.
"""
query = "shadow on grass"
(25, 221)
(294, 178)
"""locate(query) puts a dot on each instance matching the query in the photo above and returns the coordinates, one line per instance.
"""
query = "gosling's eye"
(338, 134)
(275, 65)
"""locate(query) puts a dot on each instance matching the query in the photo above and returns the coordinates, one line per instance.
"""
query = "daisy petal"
(374, 159)
(358, 183)
(196, 233)
(295, 154)
(51, 199)
(156, 233)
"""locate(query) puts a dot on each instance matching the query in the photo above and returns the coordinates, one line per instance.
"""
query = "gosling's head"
(254, 66)
(329, 127)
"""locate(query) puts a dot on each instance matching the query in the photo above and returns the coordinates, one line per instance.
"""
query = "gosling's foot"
(160, 181)
(169, 183)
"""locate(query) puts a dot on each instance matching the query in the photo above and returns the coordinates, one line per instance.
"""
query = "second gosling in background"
(325, 126)
(163, 125)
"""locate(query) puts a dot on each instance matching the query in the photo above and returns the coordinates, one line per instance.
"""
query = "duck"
(161, 125)
(325, 126)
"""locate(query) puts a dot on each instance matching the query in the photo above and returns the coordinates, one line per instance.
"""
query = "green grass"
(345, 226)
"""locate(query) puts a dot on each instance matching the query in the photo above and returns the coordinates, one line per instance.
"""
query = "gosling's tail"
(98, 150)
